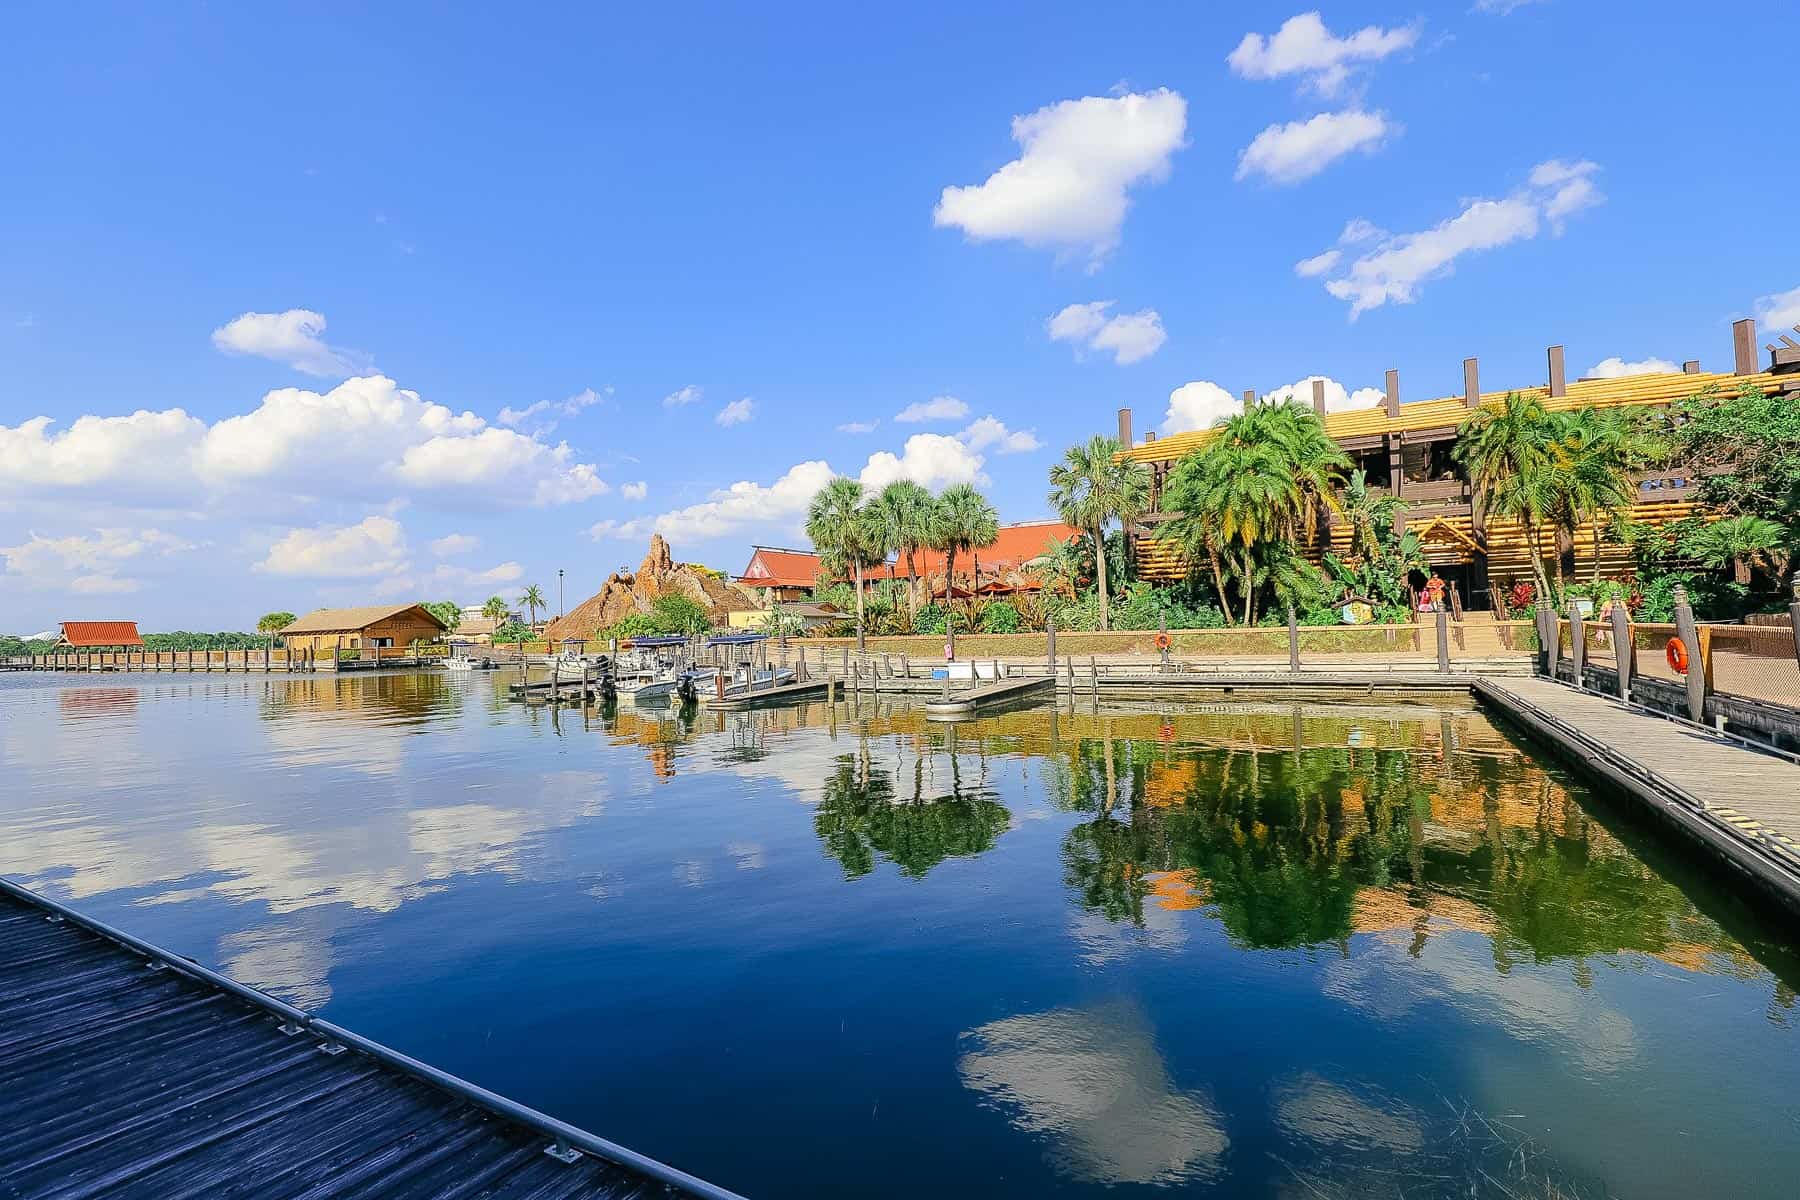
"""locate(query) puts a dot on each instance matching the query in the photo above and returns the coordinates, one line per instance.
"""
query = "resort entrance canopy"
(99, 635)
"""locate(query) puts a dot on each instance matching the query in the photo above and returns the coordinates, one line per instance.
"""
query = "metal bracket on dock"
(156, 965)
(561, 1151)
(332, 1049)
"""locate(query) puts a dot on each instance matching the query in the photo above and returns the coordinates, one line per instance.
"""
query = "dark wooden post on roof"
(1471, 383)
(1743, 346)
(1396, 458)
(1249, 399)
(1559, 385)
(1318, 396)
(1391, 398)
(1691, 367)
(1125, 428)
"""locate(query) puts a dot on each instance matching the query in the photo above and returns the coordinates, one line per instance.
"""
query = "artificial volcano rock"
(625, 593)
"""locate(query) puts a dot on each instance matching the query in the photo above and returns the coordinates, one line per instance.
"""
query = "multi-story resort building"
(1405, 448)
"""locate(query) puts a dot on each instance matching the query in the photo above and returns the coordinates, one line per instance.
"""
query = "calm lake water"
(1234, 950)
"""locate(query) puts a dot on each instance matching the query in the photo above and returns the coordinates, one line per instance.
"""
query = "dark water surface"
(1044, 953)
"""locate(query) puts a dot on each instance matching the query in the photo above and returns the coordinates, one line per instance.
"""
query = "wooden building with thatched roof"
(1406, 449)
(324, 631)
(99, 635)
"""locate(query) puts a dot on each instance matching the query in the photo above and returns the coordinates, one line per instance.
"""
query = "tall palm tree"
(1092, 486)
(1509, 451)
(962, 520)
(494, 609)
(532, 599)
(1600, 454)
(905, 510)
(843, 532)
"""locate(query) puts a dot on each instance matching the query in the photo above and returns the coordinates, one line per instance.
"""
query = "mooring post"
(1443, 640)
(846, 671)
(1549, 636)
(1069, 661)
(1162, 640)
(1577, 642)
(1094, 670)
(1624, 649)
(1696, 666)
(1293, 639)
(1794, 617)
(950, 632)
(1050, 638)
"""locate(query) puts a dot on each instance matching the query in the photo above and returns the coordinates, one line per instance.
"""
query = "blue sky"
(332, 304)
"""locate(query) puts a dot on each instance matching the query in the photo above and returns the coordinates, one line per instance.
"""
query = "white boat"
(741, 681)
(462, 662)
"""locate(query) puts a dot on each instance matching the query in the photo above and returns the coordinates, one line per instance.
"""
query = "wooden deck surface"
(1745, 803)
(124, 1074)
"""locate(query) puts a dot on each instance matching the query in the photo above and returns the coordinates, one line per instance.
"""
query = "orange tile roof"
(770, 567)
(101, 633)
(1017, 545)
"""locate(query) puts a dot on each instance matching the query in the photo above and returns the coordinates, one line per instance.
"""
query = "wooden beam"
(1558, 377)
(1391, 401)
(1125, 428)
(1318, 396)
(1249, 399)
(1471, 383)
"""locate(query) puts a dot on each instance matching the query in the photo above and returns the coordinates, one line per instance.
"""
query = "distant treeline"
(11, 646)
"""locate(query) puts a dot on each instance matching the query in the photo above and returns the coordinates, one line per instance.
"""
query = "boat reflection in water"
(1265, 950)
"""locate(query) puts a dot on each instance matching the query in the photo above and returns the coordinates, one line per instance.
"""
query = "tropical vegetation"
(1092, 486)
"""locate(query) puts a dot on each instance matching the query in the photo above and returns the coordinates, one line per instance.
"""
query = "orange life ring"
(1162, 641)
(1677, 655)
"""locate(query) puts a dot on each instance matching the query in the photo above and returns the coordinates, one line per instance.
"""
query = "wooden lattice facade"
(1406, 451)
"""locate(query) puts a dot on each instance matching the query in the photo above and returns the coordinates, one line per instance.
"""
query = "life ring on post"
(1676, 651)
(1162, 641)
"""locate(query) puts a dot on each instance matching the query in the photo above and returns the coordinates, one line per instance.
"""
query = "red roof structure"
(93, 635)
(1008, 554)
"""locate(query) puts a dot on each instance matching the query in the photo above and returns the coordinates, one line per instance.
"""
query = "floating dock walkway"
(1738, 802)
(129, 1072)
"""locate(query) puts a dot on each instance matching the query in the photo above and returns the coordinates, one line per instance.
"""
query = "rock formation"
(659, 574)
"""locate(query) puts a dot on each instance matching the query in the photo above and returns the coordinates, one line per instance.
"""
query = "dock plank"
(1741, 802)
(118, 1079)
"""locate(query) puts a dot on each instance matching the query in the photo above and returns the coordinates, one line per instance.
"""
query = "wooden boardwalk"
(128, 1072)
(1741, 803)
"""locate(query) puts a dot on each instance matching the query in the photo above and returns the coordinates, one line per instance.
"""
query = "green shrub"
(1000, 617)
(676, 613)
(932, 619)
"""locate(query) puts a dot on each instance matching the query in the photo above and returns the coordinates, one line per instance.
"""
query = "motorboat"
(743, 680)
(470, 662)
(649, 668)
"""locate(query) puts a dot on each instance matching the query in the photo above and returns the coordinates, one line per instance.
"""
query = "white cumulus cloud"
(374, 546)
(1617, 368)
(1304, 46)
(294, 337)
(745, 504)
(1394, 266)
(634, 491)
(573, 406)
(683, 397)
(1198, 405)
(1299, 150)
(859, 427)
(85, 564)
(1318, 264)
(1780, 312)
(1338, 398)
(938, 408)
(991, 432)
(145, 452)
(933, 460)
(500, 464)
(452, 544)
(735, 413)
(1069, 189)
(1128, 337)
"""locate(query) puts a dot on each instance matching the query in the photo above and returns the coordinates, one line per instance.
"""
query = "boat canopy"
(656, 639)
(737, 639)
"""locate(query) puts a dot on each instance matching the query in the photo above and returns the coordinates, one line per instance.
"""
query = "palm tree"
(532, 599)
(1509, 451)
(272, 623)
(494, 609)
(962, 520)
(1600, 454)
(905, 510)
(844, 533)
(1743, 542)
(1093, 485)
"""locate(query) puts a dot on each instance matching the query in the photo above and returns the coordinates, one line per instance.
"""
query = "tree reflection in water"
(863, 813)
(1304, 847)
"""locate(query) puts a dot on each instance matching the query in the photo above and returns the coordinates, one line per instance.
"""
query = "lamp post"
(559, 594)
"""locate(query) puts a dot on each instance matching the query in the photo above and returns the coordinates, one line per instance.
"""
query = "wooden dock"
(972, 700)
(1740, 803)
(803, 690)
(126, 1071)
